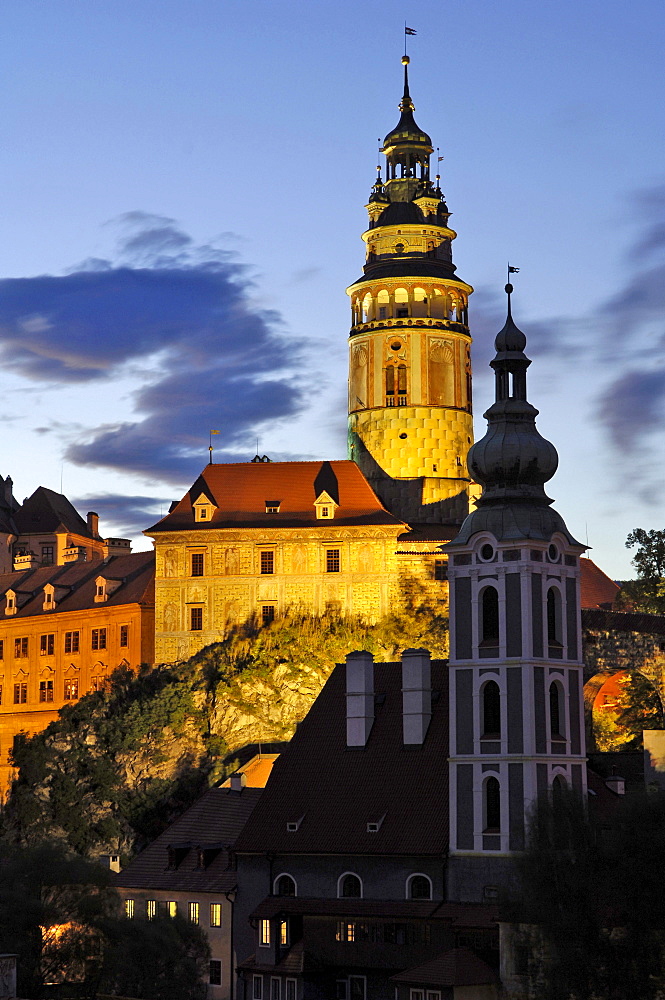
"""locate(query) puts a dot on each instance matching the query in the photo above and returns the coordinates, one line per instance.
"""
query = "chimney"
(359, 698)
(93, 523)
(616, 784)
(238, 780)
(416, 694)
(110, 861)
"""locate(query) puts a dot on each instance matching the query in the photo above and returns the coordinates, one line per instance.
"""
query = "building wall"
(220, 938)
(79, 672)
(232, 588)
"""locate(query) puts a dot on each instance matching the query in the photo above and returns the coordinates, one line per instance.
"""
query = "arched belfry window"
(559, 786)
(396, 385)
(492, 805)
(554, 630)
(489, 622)
(556, 711)
(491, 710)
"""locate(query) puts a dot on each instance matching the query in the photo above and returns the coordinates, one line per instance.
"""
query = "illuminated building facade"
(410, 421)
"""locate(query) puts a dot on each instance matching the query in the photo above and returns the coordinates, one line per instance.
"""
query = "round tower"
(410, 421)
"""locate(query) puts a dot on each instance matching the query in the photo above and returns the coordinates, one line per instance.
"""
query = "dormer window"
(10, 607)
(203, 508)
(272, 506)
(325, 506)
(100, 590)
(50, 602)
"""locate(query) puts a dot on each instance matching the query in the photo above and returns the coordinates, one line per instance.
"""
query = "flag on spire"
(410, 31)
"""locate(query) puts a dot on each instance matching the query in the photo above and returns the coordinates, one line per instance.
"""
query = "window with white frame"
(257, 987)
(349, 886)
(264, 933)
(492, 805)
(418, 887)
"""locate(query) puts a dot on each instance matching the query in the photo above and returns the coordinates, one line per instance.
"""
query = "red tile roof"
(457, 967)
(216, 818)
(75, 584)
(240, 491)
(597, 589)
(337, 789)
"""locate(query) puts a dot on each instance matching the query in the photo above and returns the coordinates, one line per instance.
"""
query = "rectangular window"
(194, 912)
(71, 688)
(357, 987)
(197, 564)
(99, 638)
(72, 640)
(440, 569)
(267, 562)
(267, 614)
(151, 908)
(124, 635)
(215, 914)
(47, 555)
(129, 908)
(2, 649)
(264, 933)
(171, 908)
(46, 690)
(195, 619)
(275, 989)
(290, 989)
(215, 972)
(346, 931)
(257, 987)
(47, 644)
(416, 995)
(284, 932)
(0, 694)
(332, 560)
(21, 693)
(21, 647)
(341, 989)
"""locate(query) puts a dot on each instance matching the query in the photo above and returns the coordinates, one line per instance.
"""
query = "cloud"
(216, 358)
(125, 516)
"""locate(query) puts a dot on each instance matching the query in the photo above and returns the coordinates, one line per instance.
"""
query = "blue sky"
(183, 185)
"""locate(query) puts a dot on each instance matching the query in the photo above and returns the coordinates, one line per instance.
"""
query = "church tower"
(410, 422)
(516, 708)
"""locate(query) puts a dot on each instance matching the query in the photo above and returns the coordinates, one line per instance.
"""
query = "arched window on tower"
(556, 711)
(491, 710)
(554, 632)
(559, 787)
(492, 806)
(489, 622)
(401, 385)
(390, 385)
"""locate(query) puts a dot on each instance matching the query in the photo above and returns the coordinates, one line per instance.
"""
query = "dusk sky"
(182, 187)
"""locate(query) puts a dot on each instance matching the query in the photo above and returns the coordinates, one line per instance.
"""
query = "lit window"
(264, 933)
(267, 562)
(46, 644)
(98, 638)
(194, 912)
(267, 614)
(215, 914)
(72, 640)
(151, 908)
(332, 561)
(71, 689)
(171, 908)
(196, 619)
(124, 635)
(129, 908)
(215, 978)
(284, 932)
(272, 506)
(197, 563)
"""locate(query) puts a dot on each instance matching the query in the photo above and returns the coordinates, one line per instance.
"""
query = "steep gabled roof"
(215, 820)
(75, 584)
(457, 967)
(240, 492)
(46, 511)
(335, 790)
(598, 591)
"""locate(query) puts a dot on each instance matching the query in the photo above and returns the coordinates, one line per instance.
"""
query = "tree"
(647, 593)
(595, 891)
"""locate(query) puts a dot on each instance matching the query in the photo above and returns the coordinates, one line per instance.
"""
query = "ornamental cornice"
(387, 326)
(268, 535)
(410, 229)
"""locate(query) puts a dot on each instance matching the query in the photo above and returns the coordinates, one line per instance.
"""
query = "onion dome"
(512, 462)
(401, 213)
(378, 190)
(406, 132)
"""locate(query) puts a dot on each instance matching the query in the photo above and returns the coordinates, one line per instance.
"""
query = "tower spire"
(406, 104)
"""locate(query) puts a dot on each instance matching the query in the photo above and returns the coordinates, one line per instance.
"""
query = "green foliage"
(648, 592)
(596, 891)
(119, 765)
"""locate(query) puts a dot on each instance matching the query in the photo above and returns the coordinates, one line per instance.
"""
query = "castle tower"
(410, 423)
(516, 709)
